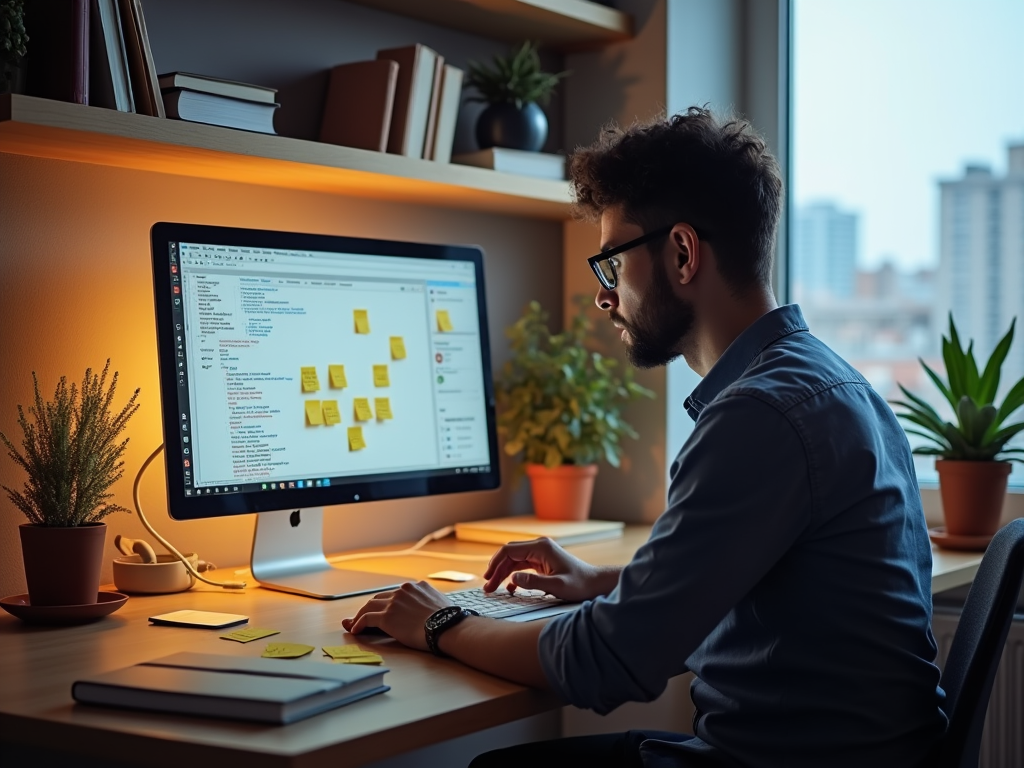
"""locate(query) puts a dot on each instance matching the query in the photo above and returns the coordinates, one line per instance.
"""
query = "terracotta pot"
(562, 493)
(62, 565)
(972, 495)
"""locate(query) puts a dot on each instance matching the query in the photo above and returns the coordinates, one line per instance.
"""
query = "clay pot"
(562, 493)
(972, 495)
(62, 565)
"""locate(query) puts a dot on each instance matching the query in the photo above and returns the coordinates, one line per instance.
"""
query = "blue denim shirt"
(791, 573)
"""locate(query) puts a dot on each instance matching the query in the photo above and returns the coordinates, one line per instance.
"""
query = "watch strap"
(441, 621)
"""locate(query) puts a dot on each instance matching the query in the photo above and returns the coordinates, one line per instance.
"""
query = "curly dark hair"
(719, 177)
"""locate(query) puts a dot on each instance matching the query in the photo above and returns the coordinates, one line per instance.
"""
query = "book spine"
(80, 52)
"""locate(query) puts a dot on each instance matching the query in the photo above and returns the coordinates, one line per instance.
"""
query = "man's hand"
(558, 572)
(401, 613)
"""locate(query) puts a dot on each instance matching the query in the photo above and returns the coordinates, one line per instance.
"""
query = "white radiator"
(1002, 744)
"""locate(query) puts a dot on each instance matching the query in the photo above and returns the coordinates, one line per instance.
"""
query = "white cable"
(415, 549)
(166, 544)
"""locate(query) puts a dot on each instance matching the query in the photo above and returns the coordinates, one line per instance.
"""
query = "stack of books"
(210, 100)
(405, 102)
(93, 52)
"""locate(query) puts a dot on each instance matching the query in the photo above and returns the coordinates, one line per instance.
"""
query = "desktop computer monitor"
(299, 371)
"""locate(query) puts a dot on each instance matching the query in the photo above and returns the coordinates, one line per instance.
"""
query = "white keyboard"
(500, 604)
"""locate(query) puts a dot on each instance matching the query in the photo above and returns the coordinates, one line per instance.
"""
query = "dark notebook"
(238, 688)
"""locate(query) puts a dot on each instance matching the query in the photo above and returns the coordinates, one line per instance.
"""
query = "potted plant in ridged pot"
(972, 459)
(71, 453)
(512, 88)
(560, 409)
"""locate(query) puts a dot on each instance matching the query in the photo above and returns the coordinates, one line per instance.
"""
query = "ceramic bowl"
(165, 575)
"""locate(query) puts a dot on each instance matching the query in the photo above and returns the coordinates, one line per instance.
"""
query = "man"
(791, 569)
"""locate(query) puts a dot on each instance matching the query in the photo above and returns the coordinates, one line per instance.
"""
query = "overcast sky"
(892, 95)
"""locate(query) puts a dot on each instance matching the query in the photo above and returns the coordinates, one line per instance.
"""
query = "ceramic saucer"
(951, 541)
(106, 603)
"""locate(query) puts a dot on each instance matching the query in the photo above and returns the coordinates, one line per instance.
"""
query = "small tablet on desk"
(200, 619)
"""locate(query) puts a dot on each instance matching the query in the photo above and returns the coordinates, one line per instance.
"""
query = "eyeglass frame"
(594, 261)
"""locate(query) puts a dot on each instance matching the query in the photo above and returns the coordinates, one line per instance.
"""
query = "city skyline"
(909, 95)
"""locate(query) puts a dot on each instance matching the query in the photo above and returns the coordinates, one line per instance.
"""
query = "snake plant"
(979, 433)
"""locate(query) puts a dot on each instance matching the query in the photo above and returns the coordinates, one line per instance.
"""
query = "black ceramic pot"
(505, 125)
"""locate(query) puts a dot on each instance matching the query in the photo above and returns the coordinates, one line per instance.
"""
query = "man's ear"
(685, 247)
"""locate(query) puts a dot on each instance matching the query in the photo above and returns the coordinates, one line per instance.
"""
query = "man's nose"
(606, 299)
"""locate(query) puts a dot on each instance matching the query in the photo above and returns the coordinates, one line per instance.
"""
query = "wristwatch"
(441, 621)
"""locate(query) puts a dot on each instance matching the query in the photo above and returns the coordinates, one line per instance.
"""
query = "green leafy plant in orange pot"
(972, 459)
(71, 452)
(560, 411)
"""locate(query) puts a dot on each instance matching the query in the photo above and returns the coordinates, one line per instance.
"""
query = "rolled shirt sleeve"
(739, 496)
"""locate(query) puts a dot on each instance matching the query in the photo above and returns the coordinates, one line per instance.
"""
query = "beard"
(662, 322)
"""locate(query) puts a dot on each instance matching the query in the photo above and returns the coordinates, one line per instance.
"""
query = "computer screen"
(304, 370)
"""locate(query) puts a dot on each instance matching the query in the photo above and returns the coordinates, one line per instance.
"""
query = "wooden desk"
(431, 699)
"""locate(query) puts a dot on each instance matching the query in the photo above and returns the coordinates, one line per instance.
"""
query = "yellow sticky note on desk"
(362, 318)
(382, 406)
(331, 413)
(286, 650)
(337, 376)
(314, 415)
(352, 654)
(380, 376)
(444, 321)
(355, 439)
(362, 408)
(397, 348)
(248, 635)
(310, 381)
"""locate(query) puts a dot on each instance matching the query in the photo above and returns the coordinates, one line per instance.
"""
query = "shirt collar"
(762, 333)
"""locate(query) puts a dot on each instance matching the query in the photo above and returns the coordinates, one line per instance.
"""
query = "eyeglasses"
(603, 264)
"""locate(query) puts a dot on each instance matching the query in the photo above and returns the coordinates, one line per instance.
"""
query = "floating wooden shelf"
(62, 131)
(562, 24)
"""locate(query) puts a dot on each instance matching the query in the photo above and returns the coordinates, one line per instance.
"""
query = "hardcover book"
(275, 691)
(359, 106)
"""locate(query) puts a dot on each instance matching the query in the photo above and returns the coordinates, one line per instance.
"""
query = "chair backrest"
(978, 645)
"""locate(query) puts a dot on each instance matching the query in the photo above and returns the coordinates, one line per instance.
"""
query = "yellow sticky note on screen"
(444, 321)
(337, 376)
(397, 348)
(355, 439)
(362, 408)
(331, 413)
(286, 650)
(382, 406)
(314, 415)
(310, 381)
(380, 376)
(362, 318)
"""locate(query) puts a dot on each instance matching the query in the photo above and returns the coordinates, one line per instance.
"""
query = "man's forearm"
(502, 648)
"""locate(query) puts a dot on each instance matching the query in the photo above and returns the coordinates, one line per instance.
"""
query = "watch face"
(443, 616)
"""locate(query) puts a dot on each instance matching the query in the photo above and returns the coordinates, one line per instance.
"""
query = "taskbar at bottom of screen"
(325, 482)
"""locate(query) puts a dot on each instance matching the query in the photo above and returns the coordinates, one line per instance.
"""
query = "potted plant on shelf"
(560, 408)
(512, 88)
(972, 459)
(71, 452)
(12, 45)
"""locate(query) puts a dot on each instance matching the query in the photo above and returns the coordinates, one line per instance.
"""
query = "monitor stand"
(288, 555)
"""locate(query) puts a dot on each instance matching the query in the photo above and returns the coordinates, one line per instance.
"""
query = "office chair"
(977, 647)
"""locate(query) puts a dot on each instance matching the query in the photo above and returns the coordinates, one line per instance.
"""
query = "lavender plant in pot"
(972, 459)
(71, 452)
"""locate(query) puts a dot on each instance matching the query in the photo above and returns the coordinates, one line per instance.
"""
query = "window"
(908, 183)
